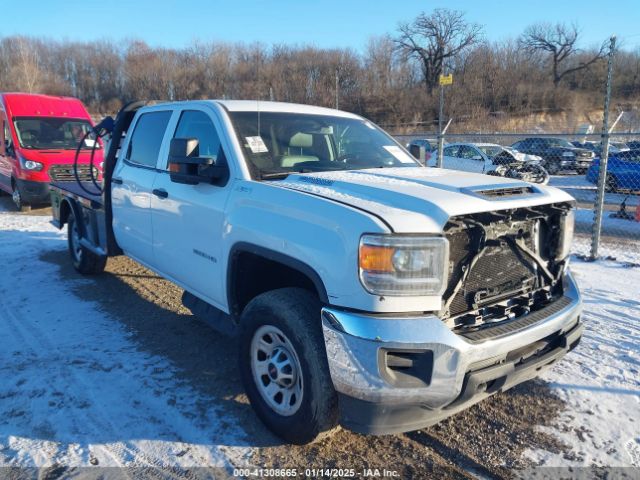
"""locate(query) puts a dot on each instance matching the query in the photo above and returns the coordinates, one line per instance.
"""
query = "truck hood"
(418, 199)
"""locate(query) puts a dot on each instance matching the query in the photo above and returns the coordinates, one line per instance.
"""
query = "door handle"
(160, 193)
(116, 180)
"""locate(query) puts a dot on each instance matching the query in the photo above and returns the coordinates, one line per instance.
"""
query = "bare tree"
(559, 42)
(434, 38)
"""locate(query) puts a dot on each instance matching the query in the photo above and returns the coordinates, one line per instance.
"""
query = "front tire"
(552, 168)
(284, 368)
(20, 204)
(84, 260)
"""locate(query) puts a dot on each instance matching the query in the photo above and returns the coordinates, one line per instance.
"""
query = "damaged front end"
(504, 264)
(511, 309)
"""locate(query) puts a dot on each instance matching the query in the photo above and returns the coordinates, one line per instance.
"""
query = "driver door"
(472, 159)
(450, 158)
(188, 220)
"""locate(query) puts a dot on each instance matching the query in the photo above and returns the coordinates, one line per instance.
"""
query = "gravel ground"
(486, 440)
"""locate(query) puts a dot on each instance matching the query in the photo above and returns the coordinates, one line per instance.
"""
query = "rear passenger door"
(188, 220)
(132, 185)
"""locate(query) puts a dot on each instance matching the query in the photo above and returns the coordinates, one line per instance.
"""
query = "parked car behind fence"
(623, 171)
(558, 154)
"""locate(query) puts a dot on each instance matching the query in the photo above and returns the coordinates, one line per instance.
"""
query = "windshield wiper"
(274, 175)
(277, 175)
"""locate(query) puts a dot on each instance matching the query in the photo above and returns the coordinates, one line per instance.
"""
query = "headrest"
(301, 140)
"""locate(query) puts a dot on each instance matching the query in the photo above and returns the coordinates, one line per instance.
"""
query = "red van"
(39, 135)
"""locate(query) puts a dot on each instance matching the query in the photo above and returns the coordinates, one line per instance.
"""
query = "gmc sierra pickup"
(364, 289)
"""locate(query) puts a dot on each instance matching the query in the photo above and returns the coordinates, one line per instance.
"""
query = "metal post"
(337, 91)
(440, 133)
(602, 177)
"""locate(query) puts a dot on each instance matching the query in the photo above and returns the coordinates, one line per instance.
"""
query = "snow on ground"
(60, 402)
(610, 225)
(600, 380)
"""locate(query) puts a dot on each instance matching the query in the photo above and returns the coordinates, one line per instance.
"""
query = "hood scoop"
(506, 192)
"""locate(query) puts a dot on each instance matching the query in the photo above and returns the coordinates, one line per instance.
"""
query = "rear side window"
(196, 124)
(144, 146)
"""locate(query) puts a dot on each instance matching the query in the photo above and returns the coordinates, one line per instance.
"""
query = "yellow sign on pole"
(446, 79)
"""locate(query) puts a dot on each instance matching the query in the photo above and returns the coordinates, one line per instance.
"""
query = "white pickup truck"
(365, 290)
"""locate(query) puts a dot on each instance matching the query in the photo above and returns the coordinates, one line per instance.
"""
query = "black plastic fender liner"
(77, 213)
(275, 256)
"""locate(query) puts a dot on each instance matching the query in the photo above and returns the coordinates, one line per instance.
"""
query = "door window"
(6, 136)
(197, 124)
(467, 152)
(2, 136)
(146, 140)
(451, 151)
(632, 156)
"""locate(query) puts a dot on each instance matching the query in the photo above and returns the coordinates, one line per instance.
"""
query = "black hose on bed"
(101, 130)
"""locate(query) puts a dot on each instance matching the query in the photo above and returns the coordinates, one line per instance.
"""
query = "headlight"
(30, 164)
(568, 154)
(403, 265)
(567, 227)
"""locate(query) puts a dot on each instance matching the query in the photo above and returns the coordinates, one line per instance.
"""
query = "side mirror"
(419, 153)
(187, 167)
(476, 157)
(8, 148)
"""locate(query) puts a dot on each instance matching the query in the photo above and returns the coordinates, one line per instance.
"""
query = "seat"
(295, 155)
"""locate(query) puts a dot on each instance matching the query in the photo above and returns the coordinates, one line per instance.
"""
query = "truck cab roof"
(258, 106)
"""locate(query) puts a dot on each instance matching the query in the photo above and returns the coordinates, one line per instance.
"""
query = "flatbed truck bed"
(80, 192)
(87, 204)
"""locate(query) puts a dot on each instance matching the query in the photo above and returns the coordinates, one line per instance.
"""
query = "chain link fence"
(572, 162)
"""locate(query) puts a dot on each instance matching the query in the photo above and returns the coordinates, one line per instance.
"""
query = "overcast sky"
(324, 23)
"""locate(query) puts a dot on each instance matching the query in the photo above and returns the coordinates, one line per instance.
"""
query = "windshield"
(559, 142)
(276, 144)
(490, 150)
(52, 133)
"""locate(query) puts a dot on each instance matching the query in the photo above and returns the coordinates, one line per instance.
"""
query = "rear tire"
(84, 261)
(282, 354)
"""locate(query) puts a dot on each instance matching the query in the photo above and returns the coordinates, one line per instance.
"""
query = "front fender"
(313, 231)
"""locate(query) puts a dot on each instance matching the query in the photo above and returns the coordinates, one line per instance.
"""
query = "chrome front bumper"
(354, 342)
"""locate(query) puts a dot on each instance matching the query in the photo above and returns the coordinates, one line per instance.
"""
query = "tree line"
(393, 80)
